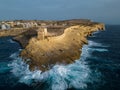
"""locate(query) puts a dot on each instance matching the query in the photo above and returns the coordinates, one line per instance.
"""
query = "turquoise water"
(98, 68)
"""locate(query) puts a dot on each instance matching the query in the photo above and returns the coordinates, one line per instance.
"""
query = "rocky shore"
(45, 46)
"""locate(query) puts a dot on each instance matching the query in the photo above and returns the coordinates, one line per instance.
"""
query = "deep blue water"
(98, 67)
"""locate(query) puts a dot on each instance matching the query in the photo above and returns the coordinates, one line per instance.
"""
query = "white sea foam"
(11, 41)
(92, 43)
(3, 67)
(100, 50)
(93, 47)
(60, 77)
(96, 32)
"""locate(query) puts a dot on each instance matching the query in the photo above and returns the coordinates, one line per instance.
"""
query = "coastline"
(64, 48)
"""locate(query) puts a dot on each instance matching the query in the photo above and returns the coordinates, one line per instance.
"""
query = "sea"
(97, 69)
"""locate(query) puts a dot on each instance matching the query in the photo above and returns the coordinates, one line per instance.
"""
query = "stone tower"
(42, 32)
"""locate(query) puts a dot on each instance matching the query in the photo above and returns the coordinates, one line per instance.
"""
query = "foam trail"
(93, 46)
(11, 41)
(60, 77)
(3, 67)
(96, 32)
(100, 50)
(92, 43)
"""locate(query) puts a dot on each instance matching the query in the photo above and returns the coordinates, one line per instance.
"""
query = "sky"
(107, 11)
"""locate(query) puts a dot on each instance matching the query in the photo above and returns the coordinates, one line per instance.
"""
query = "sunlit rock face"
(52, 42)
(65, 48)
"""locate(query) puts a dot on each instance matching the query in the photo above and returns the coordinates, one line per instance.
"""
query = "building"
(5, 26)
(42, 32)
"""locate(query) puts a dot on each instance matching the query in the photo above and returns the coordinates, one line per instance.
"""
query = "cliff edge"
(52, 42)
(62, 49)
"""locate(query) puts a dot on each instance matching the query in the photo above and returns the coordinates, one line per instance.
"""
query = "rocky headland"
(54, 42)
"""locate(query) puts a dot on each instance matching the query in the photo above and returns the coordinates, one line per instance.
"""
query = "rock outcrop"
(21, 35)
(59, 43)
(63, 49)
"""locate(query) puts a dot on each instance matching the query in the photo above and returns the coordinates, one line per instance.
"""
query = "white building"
(4, 26)
(7, 26)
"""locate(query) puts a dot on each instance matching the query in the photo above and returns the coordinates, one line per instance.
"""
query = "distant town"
(7, 25)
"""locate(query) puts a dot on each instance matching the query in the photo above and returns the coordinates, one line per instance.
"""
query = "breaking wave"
(77, 75)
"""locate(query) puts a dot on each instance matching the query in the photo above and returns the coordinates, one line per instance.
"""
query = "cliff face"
(22, 35)
(63, 49)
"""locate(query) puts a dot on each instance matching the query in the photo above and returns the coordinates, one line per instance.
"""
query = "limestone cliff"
(60, 44)
(22, 35)
(63, 49)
